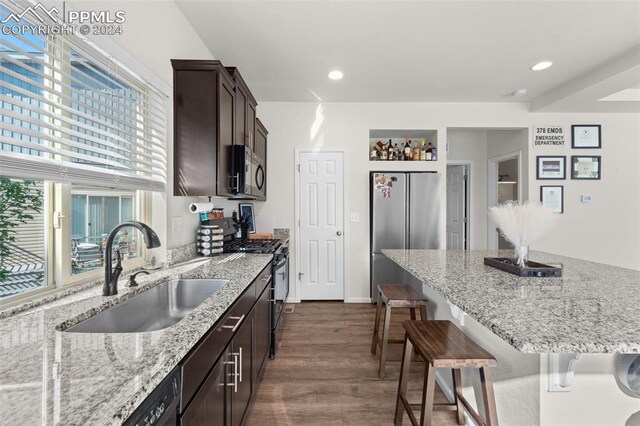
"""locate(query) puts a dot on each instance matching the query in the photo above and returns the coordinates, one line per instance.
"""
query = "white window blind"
(72, 114)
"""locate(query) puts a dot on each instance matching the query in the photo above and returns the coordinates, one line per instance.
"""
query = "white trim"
(492, 190)
(470, 197)
(296, 217)
(357, 300)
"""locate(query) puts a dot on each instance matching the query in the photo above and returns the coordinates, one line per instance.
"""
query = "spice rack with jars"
(399, 145)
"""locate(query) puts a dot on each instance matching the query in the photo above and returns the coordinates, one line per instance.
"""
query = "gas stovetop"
(251, 246)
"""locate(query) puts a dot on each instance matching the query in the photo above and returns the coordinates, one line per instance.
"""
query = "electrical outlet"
(177, 225)
(354, 217)
(585, 198)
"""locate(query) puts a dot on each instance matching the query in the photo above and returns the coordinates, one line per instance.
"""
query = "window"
(23, 267)
(93, 215)
(91, 134)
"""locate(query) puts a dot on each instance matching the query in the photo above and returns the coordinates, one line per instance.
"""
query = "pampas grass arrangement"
(522, 224)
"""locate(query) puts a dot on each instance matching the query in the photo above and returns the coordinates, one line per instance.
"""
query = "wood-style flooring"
(324, 373)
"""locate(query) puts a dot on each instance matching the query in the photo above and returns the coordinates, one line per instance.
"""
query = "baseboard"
(468, 420)
(358, 300)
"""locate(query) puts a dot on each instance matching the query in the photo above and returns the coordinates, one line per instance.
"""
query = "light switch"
(585, 198)
(355, 217)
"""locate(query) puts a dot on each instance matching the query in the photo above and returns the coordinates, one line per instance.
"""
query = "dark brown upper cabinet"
(260, 150)
(204, 123)
(245, 109)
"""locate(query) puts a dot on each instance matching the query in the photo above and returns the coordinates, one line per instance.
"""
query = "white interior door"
(456, 208)
(321, 220)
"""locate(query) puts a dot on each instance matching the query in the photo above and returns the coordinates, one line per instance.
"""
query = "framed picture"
(247, 209)
(553, 196)
(586, 136)
(551, 167)
(585, 167)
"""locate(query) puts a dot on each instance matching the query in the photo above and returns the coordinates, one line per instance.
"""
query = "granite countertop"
(52, 377)
(593, 308)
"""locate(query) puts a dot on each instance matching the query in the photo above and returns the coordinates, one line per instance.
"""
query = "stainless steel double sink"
(155, 309)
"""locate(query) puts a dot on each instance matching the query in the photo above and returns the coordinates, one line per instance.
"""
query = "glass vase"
(521, 255)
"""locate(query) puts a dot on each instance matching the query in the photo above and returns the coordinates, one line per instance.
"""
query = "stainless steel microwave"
(247, 173)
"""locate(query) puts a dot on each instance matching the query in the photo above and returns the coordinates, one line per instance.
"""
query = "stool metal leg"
(457, 391)
(488, 397)
(376, 325)
(385, 341)
(402, 381)
(428, 392)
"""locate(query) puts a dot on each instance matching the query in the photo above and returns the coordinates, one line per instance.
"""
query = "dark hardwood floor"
(324, 373)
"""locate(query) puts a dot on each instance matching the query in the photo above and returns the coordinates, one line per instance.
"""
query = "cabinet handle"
(235, 372)
(237, 324)
(240, 368)
(268, 278)
(235, 178)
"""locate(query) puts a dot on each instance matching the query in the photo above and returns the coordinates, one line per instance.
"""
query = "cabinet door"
(194, 147)
(241, 117)
(208, 406)
(225, 141)
(251, 125)
(242, 348)
(262, 331)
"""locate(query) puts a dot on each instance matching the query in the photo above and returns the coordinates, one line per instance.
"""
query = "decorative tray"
(532, 269)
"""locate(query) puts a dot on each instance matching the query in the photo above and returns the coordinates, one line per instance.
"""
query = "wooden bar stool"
(443, 345)
(394, 296)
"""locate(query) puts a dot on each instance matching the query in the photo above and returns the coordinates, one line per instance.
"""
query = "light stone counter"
(593, 308)
(52, 377)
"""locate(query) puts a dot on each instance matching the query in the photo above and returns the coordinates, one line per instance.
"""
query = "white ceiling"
(469, 51)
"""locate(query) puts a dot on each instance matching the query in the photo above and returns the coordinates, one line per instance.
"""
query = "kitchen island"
(527, 322)
(53, 377)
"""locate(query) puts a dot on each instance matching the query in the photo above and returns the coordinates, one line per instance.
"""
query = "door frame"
(492, 191)
(296, 217)
(470, 164)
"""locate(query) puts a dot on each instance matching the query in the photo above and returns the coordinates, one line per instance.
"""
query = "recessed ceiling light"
(336, 75)
(520, 92)
(541, 66)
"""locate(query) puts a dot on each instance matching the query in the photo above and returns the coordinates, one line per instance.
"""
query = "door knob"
(339, 233)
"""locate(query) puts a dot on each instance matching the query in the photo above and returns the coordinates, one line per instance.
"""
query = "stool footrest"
(394, 341)
(445, 406)
(407, 407)
(479, 420)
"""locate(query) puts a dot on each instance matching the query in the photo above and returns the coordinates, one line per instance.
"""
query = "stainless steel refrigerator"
(405, 214)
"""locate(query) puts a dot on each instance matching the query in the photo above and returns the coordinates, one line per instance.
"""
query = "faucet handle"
(132, 278)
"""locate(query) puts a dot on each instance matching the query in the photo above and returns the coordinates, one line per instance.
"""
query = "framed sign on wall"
(553, 196)
(551, 167)
(585, 167)
(586, 136)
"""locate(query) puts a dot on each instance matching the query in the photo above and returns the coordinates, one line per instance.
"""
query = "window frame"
(58, 195)
(63, 273)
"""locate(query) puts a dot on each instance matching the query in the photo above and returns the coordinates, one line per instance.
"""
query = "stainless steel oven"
(280, 283)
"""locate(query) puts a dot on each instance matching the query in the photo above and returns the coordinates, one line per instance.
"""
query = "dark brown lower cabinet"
(208, 406)
(262, 331)
(242, 338)
(242, 351)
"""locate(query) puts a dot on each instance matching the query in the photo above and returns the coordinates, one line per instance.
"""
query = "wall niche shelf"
(389, 145)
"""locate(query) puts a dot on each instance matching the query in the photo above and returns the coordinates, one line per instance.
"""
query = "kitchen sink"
(159, 307)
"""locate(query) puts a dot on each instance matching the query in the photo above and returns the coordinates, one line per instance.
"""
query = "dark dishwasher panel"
(161, 406)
